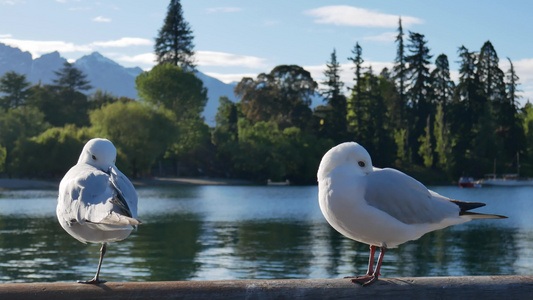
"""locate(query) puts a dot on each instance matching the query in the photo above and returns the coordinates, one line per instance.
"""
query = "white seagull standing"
(381, 207)
(97, 203)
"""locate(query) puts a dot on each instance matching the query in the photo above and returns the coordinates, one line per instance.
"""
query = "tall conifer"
(174, 42)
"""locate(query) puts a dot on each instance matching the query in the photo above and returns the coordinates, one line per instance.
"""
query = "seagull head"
(349, 153)
(99, 153)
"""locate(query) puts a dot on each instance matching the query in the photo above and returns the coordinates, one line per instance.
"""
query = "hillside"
(103, 73)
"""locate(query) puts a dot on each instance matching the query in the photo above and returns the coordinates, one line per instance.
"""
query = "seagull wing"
(126, 194)
(87, 195)
(406, 199)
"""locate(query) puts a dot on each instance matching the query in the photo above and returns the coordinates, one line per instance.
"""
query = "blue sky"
(237, 38)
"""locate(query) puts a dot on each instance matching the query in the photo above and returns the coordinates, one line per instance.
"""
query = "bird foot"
(92, 281)
(364, 280)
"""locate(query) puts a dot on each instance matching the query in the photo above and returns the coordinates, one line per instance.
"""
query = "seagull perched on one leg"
(97, 203)
(381, 207)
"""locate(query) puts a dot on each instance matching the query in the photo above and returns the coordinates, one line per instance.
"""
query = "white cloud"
(524, 70)
(344, 15)
(37, 48)
(145, 59)
(229, 78)
(12, 2)
(271, 22)
(80, 8)
(5, 36)
(384, 37)
(124, 42)
(224, 9)
(211, 58)
(101, 19)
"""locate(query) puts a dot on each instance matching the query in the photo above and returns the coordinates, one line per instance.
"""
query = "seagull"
(382, 207)
(97, 203)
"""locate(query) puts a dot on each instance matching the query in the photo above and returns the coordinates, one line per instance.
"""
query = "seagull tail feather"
(118, 219)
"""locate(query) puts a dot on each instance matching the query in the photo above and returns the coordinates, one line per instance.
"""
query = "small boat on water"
(512, 179)
(469, 182)
(507, 180)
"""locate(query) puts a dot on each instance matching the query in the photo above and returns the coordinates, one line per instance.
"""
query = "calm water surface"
(255, 232)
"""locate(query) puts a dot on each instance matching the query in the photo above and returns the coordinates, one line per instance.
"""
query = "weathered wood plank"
(477, 287)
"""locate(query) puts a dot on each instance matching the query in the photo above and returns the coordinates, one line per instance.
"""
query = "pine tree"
(490, 75)
(354, 109)
(71, 78)
(512, 83)
(174, 42)
(400, 69)
(419, 90)
(16, 90)
(400, 77)
(442, 85)
(443, 140)
(466, 111)
(335, 121)
(508, 127)
(426, 151)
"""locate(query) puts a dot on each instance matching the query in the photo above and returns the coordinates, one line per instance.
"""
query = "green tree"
(400, 138)
(225, 136)
(16, 90)
(16, 125)
(374, 128)
(509, 129)
(419, 90)
(189, 150)
(354, 106)
(3, 154)
(261, 151)
(100, 98)
(527, 159)
(512, 83)
(466, 109)
(334, 124)
(71, 78)
(426, 148)
(282, 96)
(140, 132)
(60, 106)
(170, 86)
(442, 85)
(400, 70)
(443, 141)
(62, 146)
(174, 41)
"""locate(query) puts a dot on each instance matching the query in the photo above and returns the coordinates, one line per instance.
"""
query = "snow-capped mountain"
(102, 72)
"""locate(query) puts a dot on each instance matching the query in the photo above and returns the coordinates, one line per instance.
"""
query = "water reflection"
(210, 233)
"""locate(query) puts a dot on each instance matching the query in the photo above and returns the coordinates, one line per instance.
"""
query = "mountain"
(106, 75)
(103, 73)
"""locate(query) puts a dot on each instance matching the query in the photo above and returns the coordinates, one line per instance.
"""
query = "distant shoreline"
(36, 184)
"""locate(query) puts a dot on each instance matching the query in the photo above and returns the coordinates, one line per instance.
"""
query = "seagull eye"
(361, 163)
(94, 157)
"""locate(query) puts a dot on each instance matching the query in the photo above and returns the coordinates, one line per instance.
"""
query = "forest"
(413, 117)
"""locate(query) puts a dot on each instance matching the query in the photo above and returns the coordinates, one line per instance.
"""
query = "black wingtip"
(464, 206)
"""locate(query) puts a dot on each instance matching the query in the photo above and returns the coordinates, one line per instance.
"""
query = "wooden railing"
(477, 287)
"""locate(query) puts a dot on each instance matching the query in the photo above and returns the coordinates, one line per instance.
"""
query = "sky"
(237, 38)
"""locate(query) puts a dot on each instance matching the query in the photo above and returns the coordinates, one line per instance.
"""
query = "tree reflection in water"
(244, 233)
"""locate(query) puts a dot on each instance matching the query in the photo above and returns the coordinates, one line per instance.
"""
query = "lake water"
(255, 232)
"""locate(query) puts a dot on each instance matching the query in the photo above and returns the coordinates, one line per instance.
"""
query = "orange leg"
(371, 275)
